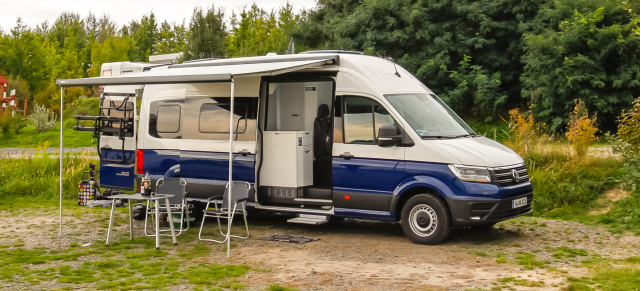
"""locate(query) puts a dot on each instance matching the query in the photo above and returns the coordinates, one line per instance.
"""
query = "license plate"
(519, 202)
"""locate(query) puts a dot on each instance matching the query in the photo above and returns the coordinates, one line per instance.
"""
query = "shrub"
(42, 118)
(581, 130)
(629, 127)
(525, 133)
(20, 123)
(6, 124)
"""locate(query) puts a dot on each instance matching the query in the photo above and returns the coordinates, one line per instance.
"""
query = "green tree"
(114, 49)
(171, 38)
(590, 51)
(28, 55)
(258, 32)
(206, 34)
(144, 36)
(431, 39)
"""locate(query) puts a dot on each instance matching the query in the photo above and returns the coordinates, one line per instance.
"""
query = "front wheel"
(425, 219)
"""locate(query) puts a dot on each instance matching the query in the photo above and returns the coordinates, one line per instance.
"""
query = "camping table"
(139, 196)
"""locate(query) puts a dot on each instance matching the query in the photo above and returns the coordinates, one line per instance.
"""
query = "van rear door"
(117, 143)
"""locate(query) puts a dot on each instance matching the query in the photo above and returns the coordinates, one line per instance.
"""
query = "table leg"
(157, 225)
(113, 211)
(130, 219)
(170, 219)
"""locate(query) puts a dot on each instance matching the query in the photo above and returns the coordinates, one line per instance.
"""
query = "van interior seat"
(322, 149)
(321, 132)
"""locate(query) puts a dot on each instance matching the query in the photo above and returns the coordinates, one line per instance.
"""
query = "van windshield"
(429, 116)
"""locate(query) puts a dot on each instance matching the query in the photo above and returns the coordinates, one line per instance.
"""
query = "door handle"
(346, 155)
(244, 152)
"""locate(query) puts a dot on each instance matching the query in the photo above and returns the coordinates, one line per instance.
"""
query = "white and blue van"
(322, 134)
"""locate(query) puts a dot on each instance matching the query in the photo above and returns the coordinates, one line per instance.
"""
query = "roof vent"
(271, 54)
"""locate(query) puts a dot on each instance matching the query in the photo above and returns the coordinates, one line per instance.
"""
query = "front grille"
(505, 209)
(504, 176)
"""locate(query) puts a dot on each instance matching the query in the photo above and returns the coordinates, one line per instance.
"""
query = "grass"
(38, 176)
(125, 265)
(609, 275)
(30, 138)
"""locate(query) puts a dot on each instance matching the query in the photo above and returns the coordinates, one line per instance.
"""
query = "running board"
(292, 209)
(309, 219)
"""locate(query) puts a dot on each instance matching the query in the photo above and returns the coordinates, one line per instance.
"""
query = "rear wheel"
(425, 219)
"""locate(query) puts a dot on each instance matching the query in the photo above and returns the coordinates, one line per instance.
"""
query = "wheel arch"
(415, 186)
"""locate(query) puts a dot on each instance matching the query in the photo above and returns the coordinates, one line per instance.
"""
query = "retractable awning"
(201, 74)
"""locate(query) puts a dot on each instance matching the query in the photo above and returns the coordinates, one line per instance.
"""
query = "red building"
(3, 86)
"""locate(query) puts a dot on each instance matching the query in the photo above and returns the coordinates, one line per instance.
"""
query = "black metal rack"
(107, 124)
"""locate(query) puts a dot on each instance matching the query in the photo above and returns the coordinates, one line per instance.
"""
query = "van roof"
(368, 74)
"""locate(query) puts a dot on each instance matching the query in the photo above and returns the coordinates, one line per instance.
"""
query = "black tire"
(425, 219)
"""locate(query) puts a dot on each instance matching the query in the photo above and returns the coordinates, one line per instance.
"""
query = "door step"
(309, 219)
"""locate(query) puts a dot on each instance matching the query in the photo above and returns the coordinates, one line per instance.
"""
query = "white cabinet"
(287, 159)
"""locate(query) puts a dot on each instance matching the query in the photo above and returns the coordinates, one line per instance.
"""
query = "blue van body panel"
(198, 165)
(215, 166)
(365, 183)
(378, 175)
(158, 162)
(120, 174)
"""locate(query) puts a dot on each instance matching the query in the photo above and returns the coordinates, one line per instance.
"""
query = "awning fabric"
(199, 74)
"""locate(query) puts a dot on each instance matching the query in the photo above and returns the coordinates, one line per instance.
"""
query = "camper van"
(324, 134)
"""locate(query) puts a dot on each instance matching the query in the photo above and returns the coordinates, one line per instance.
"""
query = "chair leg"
(204, 217)
(146, 217)
(246, 226)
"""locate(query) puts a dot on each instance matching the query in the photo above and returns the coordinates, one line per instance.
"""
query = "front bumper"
(473, 212)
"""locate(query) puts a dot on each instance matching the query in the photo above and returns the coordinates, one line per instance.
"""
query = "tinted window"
(362, 118)
(168, 119)
(203, 118)
(214, 118)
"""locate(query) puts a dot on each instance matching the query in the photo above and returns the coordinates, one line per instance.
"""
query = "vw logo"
(515, 175)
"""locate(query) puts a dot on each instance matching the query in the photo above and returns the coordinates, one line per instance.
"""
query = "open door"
(292, 170)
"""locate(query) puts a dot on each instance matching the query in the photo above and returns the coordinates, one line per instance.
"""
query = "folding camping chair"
(177, 204)
(239, 195)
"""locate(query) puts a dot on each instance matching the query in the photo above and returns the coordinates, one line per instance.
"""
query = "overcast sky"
(33, 12)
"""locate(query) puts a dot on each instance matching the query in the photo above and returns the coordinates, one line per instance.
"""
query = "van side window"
(168, 119)
(214, 118)
(210, 118)
(165, 119)
(362, 118)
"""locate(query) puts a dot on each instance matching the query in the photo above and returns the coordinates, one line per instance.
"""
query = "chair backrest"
(240, 190)
(175, 186)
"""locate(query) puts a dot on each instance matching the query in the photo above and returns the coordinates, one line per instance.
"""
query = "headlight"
(471, 174)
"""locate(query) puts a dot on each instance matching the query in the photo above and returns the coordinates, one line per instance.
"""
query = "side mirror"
(388, 136)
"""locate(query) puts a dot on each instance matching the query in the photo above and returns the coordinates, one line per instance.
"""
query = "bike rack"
(105, 123)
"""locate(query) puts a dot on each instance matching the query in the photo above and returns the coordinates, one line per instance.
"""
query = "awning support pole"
(230, 168)
(61, 147)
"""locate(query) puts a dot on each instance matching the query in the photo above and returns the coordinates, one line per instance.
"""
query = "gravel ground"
(365, 255)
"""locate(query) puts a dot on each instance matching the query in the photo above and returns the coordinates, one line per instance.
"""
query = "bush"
(524, 133)
(582, 129)
(42, 118)
(6, 124)
(629, 127)
(20, 123)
